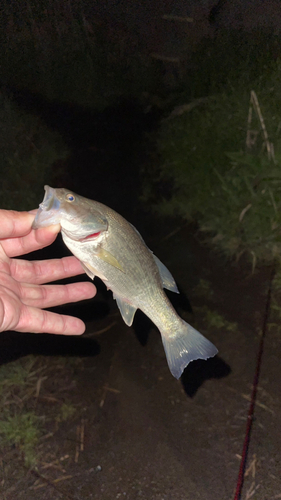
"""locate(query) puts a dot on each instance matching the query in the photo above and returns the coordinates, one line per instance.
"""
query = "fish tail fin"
(185, 346)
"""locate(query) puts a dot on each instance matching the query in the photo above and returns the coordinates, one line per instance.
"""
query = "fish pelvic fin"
(91, 271)
(185, 346)
(109, 258)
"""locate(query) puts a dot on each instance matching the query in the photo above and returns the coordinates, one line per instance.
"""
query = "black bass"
(111, 248)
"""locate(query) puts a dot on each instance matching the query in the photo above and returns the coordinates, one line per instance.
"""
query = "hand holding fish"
(23, 293)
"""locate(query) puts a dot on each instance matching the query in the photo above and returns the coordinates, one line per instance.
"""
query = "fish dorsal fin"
(109, 258)
(166, 277)
(138, 233)
(127, 311)
(91, 271)
(168, 281)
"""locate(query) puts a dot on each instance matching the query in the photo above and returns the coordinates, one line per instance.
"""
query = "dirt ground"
(137, 432)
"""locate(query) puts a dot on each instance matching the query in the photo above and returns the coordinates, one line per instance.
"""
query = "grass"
(203, 289)
(276, 297)
(67, 411)
(201, 170)
(213, 165)
(28, 153)
(208, 314)
(26, 416)
(22, 431)
(212, 319)
(232, 57)
(18, 374)
(19, 424)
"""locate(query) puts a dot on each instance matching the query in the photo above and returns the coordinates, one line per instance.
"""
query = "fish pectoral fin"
(109, 258)
(166, 277)
(127, 311)
(92, 272)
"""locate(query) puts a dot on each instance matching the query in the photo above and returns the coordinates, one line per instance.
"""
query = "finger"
(55, 295)
(35, 320)
(35, 240)
(44, 271)
(14, 224)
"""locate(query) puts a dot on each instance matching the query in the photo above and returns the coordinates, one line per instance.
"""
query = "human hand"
(23, 293)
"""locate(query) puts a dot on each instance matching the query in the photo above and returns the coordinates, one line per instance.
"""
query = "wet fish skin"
(109, 247)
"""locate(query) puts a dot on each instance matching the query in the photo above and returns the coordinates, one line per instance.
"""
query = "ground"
(129, 429)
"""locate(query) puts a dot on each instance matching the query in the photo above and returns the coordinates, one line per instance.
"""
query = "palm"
(23, 289)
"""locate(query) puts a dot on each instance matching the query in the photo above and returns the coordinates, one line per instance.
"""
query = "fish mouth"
(48, 212)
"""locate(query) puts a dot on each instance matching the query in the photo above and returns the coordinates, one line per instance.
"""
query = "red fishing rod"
(241, 474)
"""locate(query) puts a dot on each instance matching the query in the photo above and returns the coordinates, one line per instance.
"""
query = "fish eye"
(70, 197)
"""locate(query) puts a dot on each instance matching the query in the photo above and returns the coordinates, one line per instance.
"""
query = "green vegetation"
(203, 289)
(19, 424)
(230, 59)
(275, 307)
(28, 152)
(218, 165)
(17, 374)
(212, 319)
(202, 170)
(24, 416)
(21, 430)
(67, 410)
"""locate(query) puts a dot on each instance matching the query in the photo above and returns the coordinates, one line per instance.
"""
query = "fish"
(108, 246)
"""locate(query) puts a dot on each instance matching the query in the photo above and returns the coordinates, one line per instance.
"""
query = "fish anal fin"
(166, 277)
(127, 310)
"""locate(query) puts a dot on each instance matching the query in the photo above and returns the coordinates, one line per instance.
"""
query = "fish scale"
(109, 247)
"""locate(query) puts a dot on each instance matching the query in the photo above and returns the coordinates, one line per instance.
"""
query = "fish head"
(78, 217)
